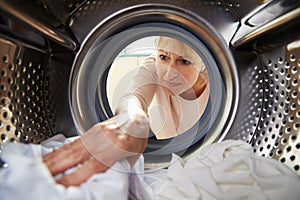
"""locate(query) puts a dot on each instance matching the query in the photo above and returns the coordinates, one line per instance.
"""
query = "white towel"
(27, 178)
(227, 170)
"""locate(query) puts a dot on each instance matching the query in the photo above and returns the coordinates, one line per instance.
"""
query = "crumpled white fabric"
(27, 178)
(227, 170)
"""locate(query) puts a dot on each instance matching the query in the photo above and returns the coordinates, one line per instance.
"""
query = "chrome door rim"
(83, 108)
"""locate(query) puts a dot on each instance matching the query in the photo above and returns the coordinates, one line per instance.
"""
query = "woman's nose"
(171, 72)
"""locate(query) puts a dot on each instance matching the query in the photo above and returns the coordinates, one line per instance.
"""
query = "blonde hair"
(180, 48)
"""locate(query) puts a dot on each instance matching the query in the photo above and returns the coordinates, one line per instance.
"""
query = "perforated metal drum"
(255, 47)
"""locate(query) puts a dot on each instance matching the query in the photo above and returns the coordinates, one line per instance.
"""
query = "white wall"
(125, 65)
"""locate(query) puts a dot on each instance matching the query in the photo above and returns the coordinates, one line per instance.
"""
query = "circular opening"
(95, 88)
(179, 83)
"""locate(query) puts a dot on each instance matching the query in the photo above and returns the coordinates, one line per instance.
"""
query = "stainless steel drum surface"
(253, 50)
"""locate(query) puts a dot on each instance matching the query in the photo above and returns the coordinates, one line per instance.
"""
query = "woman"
(170, 88)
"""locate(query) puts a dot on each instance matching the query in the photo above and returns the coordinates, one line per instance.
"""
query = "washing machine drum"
(64, 69)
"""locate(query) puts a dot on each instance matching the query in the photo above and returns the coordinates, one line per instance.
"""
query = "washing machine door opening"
(101, 76)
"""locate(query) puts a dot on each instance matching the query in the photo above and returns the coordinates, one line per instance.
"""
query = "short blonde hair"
(180, 48)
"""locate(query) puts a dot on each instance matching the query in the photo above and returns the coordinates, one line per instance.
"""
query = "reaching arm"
(123, 136)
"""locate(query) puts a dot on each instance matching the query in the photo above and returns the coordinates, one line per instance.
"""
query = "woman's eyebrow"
(188, 58)
(163, 51)
(184, 57)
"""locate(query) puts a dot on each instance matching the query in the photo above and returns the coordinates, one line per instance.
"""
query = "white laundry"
(226, 170)
(27, 178)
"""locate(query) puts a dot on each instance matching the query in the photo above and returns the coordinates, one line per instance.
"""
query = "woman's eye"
(185, 62)
(163, 57)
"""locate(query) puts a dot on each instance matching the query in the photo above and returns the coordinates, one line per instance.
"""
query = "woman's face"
(176, 73)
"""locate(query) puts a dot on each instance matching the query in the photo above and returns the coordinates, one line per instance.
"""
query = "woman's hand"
(123, 136)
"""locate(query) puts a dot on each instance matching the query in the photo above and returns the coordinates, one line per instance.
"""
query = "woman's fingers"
(97, 150)
(93, 166)
(83, 173)
(66, 157)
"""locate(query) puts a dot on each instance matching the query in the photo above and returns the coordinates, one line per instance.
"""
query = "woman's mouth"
(171, 84)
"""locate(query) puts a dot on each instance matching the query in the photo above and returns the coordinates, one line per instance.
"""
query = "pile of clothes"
(226, 170)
